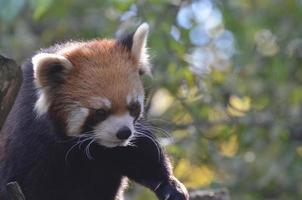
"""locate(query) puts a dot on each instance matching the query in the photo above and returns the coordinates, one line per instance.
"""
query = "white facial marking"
(76, 119)
(106, 102)
(42, 104)
(106, 130)
(98, 102)
(129, 98)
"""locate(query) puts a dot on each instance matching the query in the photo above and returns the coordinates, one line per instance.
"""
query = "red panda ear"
(49, 73)
(139, 48)
(136, 43)
(49, 69)
(139, 40)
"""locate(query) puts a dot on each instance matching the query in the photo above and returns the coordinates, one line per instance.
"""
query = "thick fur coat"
(50, 160)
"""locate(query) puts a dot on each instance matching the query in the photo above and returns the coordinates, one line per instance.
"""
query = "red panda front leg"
(171, 190)
(151, 168)
(146, 163)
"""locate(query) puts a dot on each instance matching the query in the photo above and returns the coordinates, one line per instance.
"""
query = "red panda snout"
(102, 120)
(115, 130)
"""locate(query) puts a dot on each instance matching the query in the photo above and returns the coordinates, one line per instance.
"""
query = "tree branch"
(10, 81)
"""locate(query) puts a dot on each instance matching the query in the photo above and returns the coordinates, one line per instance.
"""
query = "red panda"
(75, 130)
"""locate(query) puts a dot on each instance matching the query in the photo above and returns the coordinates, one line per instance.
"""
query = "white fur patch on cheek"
(76, 119)
(42, 104)
(129, 98)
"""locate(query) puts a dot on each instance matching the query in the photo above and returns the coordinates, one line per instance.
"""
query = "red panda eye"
(101, 112)
(141, 72)
(134, 109)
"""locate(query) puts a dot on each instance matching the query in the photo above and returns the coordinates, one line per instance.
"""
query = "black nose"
(124, 133)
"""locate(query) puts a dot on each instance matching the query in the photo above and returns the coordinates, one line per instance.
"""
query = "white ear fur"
(39, 61)
(139, 40)
(139, 49)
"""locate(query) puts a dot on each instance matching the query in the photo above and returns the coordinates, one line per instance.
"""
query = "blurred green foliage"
(227, 88)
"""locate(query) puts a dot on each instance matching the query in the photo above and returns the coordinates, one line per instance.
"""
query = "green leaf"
(40, 7)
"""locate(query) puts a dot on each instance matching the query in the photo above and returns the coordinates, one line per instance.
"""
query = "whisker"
(141, 134)
(88, 132)
(83, 135)
(131, 141)
(69, 150)
(146, 123)
(81, 140)
(131, 144)
(160, 130)
(87, 150)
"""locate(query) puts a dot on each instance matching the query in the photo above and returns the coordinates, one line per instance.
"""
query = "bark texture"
(10, 81)
(15, 192)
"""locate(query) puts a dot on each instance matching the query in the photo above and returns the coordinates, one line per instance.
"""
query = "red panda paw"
(172, 190)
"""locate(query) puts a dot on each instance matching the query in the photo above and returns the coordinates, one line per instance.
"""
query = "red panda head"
(94, 87)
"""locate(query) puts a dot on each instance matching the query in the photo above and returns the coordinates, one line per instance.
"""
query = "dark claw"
(172, 190)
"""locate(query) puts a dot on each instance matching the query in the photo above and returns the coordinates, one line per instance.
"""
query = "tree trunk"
(10, 81)
(14, 191)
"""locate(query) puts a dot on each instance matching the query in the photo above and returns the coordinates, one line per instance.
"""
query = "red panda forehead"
(102, 54)
(102, 69)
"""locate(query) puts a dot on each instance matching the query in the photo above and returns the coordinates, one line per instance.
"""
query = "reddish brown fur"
(101, 68)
